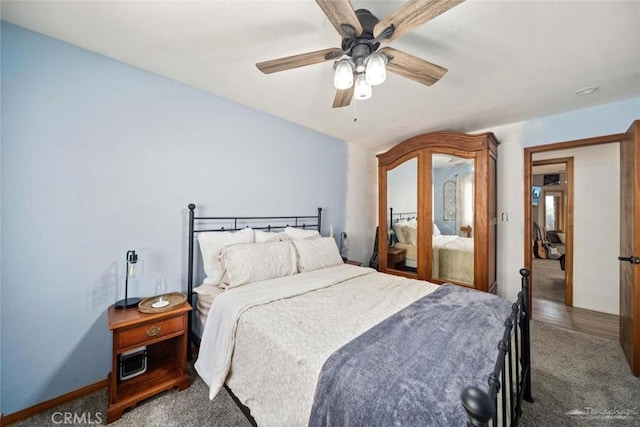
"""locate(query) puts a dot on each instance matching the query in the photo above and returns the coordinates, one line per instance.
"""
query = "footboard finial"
(479, 407)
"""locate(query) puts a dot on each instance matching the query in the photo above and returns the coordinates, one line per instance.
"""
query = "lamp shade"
(131, 273)
(343, 77)
(375, 72)
(363, 89)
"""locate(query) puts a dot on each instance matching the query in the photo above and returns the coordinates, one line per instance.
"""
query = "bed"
(275, 342)
(453, 258)
(452, 255)
(405, 232)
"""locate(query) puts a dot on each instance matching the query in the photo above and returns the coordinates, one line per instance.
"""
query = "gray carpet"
(548, 280)
(571, 371)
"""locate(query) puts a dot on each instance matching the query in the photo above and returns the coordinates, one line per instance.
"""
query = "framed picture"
(449, 205)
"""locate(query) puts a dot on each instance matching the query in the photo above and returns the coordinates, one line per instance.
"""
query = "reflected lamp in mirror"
(344, 245)
(132, 272)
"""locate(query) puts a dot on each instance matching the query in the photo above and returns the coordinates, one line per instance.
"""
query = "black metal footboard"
(511, 377)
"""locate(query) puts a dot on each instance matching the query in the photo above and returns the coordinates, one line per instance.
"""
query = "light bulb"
(343, 77)
(133, 271)
(132, 259)
(375, 72)
(362, 90)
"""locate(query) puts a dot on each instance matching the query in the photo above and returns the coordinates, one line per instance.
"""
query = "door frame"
(528, 182)
(568, 226)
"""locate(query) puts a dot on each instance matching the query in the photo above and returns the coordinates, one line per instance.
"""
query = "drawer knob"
(153, 331)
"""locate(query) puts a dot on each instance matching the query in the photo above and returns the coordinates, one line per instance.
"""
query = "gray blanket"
(410, 369)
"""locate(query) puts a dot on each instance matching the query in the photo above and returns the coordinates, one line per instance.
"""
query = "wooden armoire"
(438, 209)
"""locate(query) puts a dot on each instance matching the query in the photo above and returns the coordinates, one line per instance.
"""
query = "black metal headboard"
(198, 224)
(400, 215)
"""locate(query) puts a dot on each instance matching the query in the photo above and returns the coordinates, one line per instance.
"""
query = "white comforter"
(269, 347)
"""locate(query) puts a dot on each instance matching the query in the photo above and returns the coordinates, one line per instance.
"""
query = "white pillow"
(410, 234)
(298, 233)
(260, 236)
(210, 245)
(397, 229)
(314, 254)
(255, 262)
(436, 230)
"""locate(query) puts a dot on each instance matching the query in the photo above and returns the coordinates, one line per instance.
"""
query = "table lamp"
(127, 302)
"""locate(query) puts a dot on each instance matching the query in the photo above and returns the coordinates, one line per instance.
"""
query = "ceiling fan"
(361, 63)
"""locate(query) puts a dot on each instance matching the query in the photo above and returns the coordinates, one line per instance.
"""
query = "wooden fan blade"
(343, 97)
(341, 12)
(412, 67)
(295, 61)
(412, 14)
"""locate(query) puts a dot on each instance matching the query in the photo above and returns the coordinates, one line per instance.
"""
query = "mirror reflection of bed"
(403, 252)
(453, 216)
(452, 254)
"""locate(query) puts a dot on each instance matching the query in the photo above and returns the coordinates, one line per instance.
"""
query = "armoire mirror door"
(453, 204)
(400, 253)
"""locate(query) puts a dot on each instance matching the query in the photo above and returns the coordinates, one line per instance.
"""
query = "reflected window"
(554, 210)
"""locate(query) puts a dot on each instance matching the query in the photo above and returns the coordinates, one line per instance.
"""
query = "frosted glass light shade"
(375, 72)
(343, 77)
(363, 89)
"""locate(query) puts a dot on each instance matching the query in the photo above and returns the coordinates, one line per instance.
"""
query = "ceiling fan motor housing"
(351, 44)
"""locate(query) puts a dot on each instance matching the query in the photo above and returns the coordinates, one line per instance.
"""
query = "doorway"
(552, 227)
(598, 315)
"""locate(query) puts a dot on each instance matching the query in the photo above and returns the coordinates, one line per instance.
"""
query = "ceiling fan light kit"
(343, 77)
(375, 72)
(360, 65)
(362, 89)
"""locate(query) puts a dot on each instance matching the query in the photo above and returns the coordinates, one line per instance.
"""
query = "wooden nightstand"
(395, 258)
(165, 336)
(358, 263)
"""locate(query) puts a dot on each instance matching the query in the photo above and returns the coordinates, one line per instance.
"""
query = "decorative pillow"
(210, 245)
(298, 233)
(436, 230)
(314, 254)
(260, 236)
(244, 264)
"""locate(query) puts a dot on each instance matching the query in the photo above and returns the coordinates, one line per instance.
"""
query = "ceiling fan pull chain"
(355, 110)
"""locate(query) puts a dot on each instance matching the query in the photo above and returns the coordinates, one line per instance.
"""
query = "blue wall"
(99, 157)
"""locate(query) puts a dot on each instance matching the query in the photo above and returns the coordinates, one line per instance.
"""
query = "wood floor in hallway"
(577, 319)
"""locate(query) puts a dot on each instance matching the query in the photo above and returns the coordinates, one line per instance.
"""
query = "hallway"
(577, 319)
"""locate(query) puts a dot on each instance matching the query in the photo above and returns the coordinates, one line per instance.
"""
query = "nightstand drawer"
(146, 332)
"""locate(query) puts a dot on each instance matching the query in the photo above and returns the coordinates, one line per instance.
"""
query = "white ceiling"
(508, 61)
